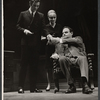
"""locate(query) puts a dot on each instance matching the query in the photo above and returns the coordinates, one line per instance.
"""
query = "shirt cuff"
(61, 41)
(24, 30)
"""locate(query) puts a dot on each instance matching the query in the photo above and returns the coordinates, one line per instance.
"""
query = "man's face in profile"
(66, 32)
(52, 17)
(35, 6)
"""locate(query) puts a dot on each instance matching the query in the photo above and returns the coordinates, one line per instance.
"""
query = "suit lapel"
(35, 17)
(29, 15)
(31, 18)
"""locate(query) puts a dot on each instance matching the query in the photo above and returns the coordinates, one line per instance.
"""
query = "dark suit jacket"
(56, 31)
(35, 25)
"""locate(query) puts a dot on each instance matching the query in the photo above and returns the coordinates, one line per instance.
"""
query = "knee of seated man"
(82, 58)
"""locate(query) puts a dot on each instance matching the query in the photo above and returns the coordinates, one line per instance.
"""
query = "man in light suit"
(30, 25)
(71, 51)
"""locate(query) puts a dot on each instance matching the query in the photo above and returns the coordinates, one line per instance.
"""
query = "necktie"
(33, 14)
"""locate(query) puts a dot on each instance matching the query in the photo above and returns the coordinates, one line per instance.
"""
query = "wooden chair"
(57, 71)
(90, 57)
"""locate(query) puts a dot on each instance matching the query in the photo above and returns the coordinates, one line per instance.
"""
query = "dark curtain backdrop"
(81, 15)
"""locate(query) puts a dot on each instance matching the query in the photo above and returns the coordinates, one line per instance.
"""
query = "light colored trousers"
(80, 61)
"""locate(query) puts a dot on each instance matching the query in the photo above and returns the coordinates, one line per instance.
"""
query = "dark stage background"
(81, 15)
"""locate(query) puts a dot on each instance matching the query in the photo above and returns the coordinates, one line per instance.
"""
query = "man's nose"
(53, 18)
(36, 7)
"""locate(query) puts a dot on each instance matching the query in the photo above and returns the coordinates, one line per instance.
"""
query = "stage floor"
(51, 96)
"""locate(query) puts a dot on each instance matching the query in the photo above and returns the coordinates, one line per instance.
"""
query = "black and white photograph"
(50, 50)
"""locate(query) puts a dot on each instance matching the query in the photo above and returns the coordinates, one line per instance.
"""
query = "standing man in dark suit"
(71, 51)
(31, 25)
(53, 30)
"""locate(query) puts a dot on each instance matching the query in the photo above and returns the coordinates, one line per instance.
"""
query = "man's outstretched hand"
(28, 32)
(55, 56)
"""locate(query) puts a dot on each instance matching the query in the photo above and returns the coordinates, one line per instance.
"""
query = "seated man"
(71, 51)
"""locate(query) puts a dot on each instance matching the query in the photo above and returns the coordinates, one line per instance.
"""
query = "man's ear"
(72, 33)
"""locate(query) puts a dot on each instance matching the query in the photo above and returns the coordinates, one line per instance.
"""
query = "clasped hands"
(53, 40)
(49, 37)
(55, 56)
(28, 32)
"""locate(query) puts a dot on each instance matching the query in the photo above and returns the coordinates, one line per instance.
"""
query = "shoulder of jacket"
(23, 12)
(79, 38)
(47, 25)
(59, 25)
(41, 14)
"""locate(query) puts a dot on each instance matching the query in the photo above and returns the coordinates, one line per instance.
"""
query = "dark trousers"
(29, 57)
(49, 51)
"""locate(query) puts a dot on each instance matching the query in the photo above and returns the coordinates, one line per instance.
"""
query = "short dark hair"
(71, 30)
(33, 1)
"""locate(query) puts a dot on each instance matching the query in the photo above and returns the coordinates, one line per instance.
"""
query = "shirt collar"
(53, 25)
(31, 11)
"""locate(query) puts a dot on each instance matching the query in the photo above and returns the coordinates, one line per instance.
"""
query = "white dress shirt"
(33, 13)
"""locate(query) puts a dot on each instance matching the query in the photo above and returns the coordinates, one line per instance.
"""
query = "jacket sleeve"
(77, 40)
(44, 31)
(20, 23)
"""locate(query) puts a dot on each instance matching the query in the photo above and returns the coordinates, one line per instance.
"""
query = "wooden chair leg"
(91, 82)
(90, 61)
